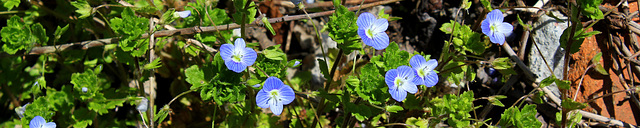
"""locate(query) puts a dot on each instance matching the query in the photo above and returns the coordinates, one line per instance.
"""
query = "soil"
(617, 106)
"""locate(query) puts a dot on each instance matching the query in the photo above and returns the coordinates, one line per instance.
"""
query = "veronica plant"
(400, 81)
(493, 27)
(237, 56)
(424, 69)
(39, 122)
(274, 95)
(182, 14)
(371, 30)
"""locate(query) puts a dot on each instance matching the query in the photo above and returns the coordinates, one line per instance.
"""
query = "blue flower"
(85, 89)
(493, 27)
(400, 81)
(425, 70)
(182, 14)
(20, 110)
(371, 30)
(39, 122)
(237, 57)
(274, 95)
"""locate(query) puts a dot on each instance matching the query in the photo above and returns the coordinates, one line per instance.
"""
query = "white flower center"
(494, 28)
(237, 56)
(275, 95)
(400, 81)
(370, 32)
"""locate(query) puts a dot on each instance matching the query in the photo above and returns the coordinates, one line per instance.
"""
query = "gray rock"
(546, 33)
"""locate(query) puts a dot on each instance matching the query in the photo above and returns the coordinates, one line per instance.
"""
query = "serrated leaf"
(324, 68)
(393, 108)
(38, 32)
(394, 57)
(154, 64)
(547, 81)
(570, 104)
(563, 84)
(84, 9)
(195, 77)
(495, 100)
(274, 53)
(9, 4)
(502, 63)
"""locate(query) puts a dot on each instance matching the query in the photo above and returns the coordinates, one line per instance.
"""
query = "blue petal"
(239, 44)
(37, 122)
(234, 66)
(431, 79)
(411, 86)
(262, 99)
(365, 20)
(398, 94)
(380, 41)
(226, 52)
(505, 28)
(390, 76)
(380, 25)
(49, 125)
(249, 57)
(275, 107)
(417, 62)
(272, 83)
(406, 71)
(287, 94)
(495, 16)
(486, 27)
(497, 38)
(183, 14)
(432, 64)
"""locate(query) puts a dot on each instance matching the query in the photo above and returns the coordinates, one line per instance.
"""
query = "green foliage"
(524, 118)
(9, 4)
(243, 12)
(360, 111)
(131, 27)
(343, 29)
(598, 66)
(525, 26)
(394, 57)
(464, 39)
(154, 64)
(18, 35)
(393, 108)
(456, 107)
(578, 37)
(569, 104)
(273, 62)
(266, 23)
(216, 16)
(84, 9)
(370, 86)
(417, 122)
(274, 53)
(574, 118)
(590, 8)
(215, 81)
(495, 100)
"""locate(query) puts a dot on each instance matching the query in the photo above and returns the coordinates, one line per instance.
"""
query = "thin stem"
(174, 98)
(610, 94)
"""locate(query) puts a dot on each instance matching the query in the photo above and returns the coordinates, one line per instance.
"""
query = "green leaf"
(417, 122)
(466, 4)
(393, 108)
(154, 64)
(343, 29)
(195, 77)
(394, 57)
(59, 31)
(266, 23)
(495, 100)
(248, 13)
(39, 33)
(274, 53)
(502, 63)
(563, 84)
(590, 8)
(168, 17)
(84, 9)
(569, 104)
(524, 118)
(83, 117)
(9, 4)
(17, 35)
(547, 81)
(324, 68)
(371, 87)
(487, 4)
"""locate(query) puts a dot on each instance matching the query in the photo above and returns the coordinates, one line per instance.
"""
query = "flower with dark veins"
(424, 69)
(39, 122)
(493, 27)
(372, 31)
(237, 57)
(274, 95)
(400, 81)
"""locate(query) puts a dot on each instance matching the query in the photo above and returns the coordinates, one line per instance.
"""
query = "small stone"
(547, 36)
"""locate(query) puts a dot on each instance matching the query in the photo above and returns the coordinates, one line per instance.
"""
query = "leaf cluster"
(343, 29)
(18, 35)
(454, 109)
(524, 118)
